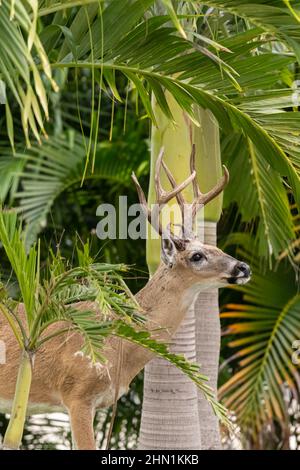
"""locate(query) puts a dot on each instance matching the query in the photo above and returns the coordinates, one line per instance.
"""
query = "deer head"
(200, 263)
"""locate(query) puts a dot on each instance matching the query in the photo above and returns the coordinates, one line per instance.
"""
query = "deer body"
(58, 370)
(64, 379)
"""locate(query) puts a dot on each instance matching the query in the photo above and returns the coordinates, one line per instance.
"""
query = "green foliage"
(136, 57)
(25, 265)
(191, 370)
(99, 283)
(9, 167)
(21, 46)
(58, 165)
(261, 197)
(220, 75)
(273, 16)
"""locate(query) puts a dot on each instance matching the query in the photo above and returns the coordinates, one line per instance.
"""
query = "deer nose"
(242, 268)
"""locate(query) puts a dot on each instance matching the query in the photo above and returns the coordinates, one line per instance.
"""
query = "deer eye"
(197, 257)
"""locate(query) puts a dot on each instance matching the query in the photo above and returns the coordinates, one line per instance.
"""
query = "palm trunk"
(170, 408)
(208, 159)
(13, 436)
(208, 352)
(169, 417)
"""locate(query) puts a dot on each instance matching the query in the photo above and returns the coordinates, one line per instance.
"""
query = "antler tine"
(179, 188)
(179, 196)
(158, 187)
(214, 192)
(219, 187)
(185, 208)
(197, 192)
(141, 195)
(144, 204)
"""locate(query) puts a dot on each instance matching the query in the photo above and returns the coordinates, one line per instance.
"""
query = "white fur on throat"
(190, 295)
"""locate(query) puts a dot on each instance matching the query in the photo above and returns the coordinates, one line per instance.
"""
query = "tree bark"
(208, 335)
(209, 170)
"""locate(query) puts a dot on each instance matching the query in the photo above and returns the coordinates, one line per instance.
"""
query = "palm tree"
(229, 68)
(170, 400)
(207, 305)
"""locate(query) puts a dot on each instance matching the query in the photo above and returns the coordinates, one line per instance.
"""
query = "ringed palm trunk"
(208, 334)
(170, 408)
(175, 415)
(209, 170)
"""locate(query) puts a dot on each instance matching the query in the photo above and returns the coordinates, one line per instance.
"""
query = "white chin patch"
(242, 280)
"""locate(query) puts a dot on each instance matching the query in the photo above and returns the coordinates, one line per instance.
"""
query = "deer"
(64, 380)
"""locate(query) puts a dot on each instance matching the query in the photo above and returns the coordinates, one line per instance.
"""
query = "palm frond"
(25, 265)
(265, 327)
(144, 338)
(58, 165)
(260, 194)
(10, 167)
(200, 79)
(135, 51)
(20, 49)
(271, 15)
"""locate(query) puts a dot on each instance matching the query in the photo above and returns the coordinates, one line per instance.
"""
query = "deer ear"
(168, 252)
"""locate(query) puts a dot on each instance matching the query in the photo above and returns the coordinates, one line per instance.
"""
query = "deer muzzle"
(241, 273)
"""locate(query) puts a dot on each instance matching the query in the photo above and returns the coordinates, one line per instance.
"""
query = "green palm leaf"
(58, 165)
(135, 50)
(138, 55)
(272, 15)
(266, 326)
(9, 169)
(259, 192)
(20, 48)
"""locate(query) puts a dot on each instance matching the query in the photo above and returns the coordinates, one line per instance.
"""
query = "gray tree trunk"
(208, 351)
(170, 408)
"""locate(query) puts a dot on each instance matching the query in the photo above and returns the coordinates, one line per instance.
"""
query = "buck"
(64, 380)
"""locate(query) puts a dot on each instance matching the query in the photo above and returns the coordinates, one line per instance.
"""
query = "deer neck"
(165, 299)
(164, 302)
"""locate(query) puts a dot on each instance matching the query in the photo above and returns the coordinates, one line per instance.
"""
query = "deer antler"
(204, 198)
(163, 197)
(189, 211)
